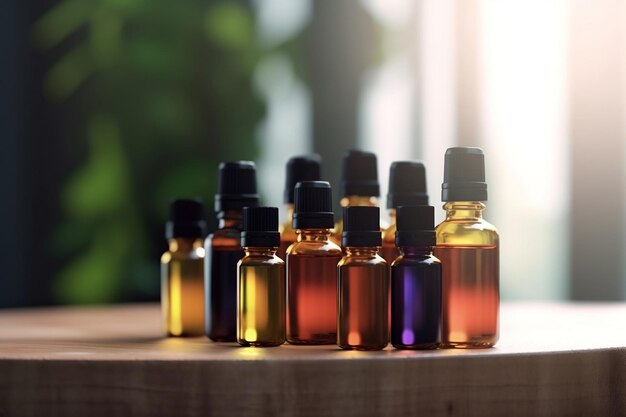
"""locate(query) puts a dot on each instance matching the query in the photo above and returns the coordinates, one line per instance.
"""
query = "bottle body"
(389, 250)
(261, 298)
(222, 253)
(468, 248)
(362, 300)
(287, 234)
(312, 288)
(416, 299)
(182, 287)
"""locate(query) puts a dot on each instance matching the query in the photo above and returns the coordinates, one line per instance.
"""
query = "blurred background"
(110, 108)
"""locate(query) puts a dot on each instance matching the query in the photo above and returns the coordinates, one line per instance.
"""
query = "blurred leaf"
(105, 37)
(68, 74)
(102, 185)
(61, 21)
(229, 25)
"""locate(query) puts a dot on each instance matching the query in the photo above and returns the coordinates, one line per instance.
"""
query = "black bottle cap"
(415, 226)
(359, 175)
(407, 184)
(313, 205)
(260, 227)
(236, 186)
(301, 168)
(186, 219)
(361, 226)
(464, 175)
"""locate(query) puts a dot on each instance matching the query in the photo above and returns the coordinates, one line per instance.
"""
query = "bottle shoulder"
(466, 232)
(426, 260)
(327, 248)
(352, 260)
(261, 261)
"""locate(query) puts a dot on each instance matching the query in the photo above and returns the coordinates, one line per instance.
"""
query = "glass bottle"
(182, 282)
(468, 247)
(359, 185)
(407, 187)
(299, 168)
(416, 282)
(261, 282)
(236, 189)
(312, 268)
(363, 283)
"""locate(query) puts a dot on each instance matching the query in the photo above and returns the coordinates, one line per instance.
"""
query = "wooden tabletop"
(552, 359)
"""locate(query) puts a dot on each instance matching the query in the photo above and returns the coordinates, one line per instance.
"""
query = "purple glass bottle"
(415, 282)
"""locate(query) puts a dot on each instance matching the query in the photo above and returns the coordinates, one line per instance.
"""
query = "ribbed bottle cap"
(407, 184)
(186, 219)
(236, 186)
(313, 205)
(415, 226)
(260, 227)
(301, 168)
(359, 174)
(464, 175)
(361, 226)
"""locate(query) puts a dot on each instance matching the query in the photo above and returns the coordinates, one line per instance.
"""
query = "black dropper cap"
(260, 227)
(301, 168)
(415, 226)
(186, 219)
(361, 226)
(464, 175)
(236, 186)
(407, 184)
(359, 175)
(313, 205)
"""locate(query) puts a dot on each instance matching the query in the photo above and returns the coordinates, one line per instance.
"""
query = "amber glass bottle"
(359, 184)
(363, 283)
(236, 190)
(407, 187)
(468, 247)
(261, 286)
(182, 282)
(299, 168)
(312, 268)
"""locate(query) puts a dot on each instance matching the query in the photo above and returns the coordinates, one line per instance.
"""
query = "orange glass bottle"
(236, 190)
(468, 247)
(359, 184)
(363, 283)
(182, 282)
(312, 268)
(299, 168)
(407, 187)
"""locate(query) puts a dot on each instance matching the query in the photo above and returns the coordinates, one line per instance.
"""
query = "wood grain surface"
(552, 359)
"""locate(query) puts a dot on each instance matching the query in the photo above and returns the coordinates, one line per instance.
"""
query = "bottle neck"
(417, 251)
(392, 216)
(230, 219)
(464, 210)
(359, 200)
(313, 235)
(366, 251)
(260, 251)
(184, 244)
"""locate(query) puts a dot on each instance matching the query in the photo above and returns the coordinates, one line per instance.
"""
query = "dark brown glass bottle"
(363, 283)
(299, 168)
(236, 190)
(312, 268)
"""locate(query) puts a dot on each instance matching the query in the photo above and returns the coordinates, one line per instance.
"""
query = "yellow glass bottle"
(261, 282)
(299, 168)
(468, 247)
(359, 185)
(182, 279)
(407, 187)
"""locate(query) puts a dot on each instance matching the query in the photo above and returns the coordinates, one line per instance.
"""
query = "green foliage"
(159, 93)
